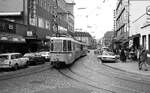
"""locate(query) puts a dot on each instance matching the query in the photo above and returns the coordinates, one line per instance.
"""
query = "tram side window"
(74, 47)
(69, 46)
(81, 47)
(64, 45)
(78, 48)
(52, 47)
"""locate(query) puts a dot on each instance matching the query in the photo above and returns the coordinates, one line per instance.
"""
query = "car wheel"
(26, 65)
(16, 67)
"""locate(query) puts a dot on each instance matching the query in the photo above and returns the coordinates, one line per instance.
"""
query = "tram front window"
(56, 46)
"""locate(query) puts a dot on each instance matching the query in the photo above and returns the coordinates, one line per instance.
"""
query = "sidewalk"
(131, 67)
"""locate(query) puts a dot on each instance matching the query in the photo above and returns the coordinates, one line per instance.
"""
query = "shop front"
(12, 43)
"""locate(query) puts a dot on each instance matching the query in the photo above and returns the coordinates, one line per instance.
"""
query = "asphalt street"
(86, 75)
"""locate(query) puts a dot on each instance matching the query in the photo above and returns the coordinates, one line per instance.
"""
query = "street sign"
(148, 10)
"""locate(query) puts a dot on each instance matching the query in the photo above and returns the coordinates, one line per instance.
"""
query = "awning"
(14, 38)
(134, 36)
(120, 38)
(130, 38)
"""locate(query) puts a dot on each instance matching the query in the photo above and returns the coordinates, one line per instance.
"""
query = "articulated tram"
(65, 50)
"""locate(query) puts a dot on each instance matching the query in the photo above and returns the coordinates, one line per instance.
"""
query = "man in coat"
(143, 58)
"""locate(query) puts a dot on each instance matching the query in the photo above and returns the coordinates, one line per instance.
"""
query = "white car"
(12, 60)
(108, 56)
(45, 54)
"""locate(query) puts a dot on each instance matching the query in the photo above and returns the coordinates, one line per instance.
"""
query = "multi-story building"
(122, 21)
(126, 16)
(107, 39)
(86, 38)
(28, 23)
(140, 24)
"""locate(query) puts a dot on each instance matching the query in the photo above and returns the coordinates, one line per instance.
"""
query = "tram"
(65, 50)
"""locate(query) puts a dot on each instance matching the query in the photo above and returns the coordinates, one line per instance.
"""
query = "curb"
(24, 72)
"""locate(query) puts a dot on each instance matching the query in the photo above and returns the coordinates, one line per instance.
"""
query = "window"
(56, 45)
(64, 45)
(52, 46)
(13, 57)
(144, 41)
(3, 57)
(81, 47)
(69, 46)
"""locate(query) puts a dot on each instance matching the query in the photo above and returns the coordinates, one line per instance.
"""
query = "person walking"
(143, 59)
(122, 55)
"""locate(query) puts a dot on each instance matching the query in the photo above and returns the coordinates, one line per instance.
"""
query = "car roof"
(9, 54)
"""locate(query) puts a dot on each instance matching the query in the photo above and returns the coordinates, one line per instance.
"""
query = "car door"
(14, 60)
(21, 60)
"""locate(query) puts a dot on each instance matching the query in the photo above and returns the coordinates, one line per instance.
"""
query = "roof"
(81, 34)
(9, 54)
(67, 38)
(70, 1)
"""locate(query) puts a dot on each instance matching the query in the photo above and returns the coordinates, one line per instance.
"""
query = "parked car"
(107, 56)
(34, 58)
(97, 51)
(12, 60)
(46, 55)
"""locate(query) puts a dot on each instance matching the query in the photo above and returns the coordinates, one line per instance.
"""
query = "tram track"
(85, 83)
(123, 75)
(112, 75)
(24, 72)
(125, 81)
(116, 75)
(141, 84)
(99, 85)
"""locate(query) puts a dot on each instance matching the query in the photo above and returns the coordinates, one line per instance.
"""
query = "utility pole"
(56, 17)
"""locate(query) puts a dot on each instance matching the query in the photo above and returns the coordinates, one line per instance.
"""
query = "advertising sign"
(11, 5)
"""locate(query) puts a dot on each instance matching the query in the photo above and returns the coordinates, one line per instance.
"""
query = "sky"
(94, 16)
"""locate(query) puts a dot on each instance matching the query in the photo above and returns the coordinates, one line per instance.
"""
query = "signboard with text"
(148, 10)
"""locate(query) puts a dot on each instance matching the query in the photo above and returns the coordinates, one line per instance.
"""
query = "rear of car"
(46, 55)
(34, 58)
(107, 57)
(5, 61)
(12, 60)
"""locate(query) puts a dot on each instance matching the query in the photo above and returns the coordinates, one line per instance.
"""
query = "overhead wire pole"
(56, 23)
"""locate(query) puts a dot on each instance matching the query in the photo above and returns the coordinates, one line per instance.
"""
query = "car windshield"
(3, 57)
(105, 53)
(44, 53)
(56, 46)
(111, 53)
(108, 53)
(29, 55)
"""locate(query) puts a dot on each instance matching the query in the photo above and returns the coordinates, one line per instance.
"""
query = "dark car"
(34, 58)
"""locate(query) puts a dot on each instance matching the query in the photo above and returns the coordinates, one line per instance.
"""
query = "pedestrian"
(122, 55)
(138, 54)
(143, 59)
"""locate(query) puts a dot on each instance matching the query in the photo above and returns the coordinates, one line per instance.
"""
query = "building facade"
(107, 39)
(139, 21)
(126, 17)
(122, 20)
(32, 21)
(86, 38)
